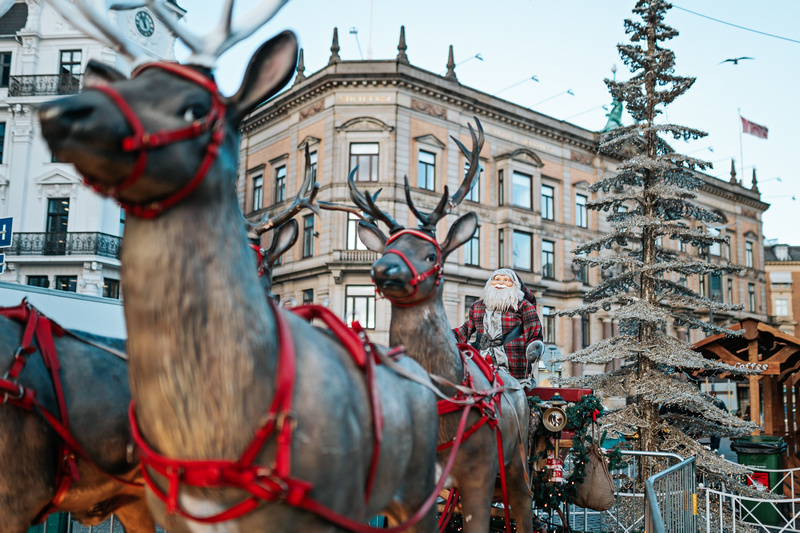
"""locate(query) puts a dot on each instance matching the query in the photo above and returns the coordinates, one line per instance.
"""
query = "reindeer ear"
(461, 232)
(98, 73)
(284, 238)
(371, 236)
(270, 68)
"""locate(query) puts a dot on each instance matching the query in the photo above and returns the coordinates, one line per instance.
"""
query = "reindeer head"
(412, 265)
(152, 140)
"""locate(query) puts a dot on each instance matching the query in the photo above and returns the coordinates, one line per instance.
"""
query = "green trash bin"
(766, 453)
(55, 523)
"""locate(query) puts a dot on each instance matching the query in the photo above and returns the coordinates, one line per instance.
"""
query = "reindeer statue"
(247, 417)
(77, 460)
(409, 275)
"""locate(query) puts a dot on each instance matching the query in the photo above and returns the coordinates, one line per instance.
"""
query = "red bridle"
(416, 279)
(142, 141)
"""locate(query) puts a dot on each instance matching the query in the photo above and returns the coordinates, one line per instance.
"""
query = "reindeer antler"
(304, 199)
(206, 49)
(447, 204)
(88, 19)
(368, 205)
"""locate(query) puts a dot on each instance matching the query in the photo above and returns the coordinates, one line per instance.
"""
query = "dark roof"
(14, 20)
(769, 253)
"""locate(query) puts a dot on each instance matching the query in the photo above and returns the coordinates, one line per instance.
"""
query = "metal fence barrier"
(671, 499)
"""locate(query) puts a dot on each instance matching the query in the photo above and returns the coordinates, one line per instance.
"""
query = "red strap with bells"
(141, 141)
(416, 279)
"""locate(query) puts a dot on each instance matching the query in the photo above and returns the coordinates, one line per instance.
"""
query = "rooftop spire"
(754, 187)
(335, 48)
(451, 67)
(401, 47)
(734, 181)
(301, 69)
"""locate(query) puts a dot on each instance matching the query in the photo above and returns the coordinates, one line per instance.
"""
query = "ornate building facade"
(65, 236)
(782, 263)
(393, 119)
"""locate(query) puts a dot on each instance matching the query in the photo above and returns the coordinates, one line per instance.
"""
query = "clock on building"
(144, 23)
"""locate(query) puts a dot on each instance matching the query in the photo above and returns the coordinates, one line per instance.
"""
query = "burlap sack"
(597, 490)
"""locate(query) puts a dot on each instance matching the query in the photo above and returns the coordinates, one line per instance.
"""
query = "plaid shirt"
(515, 349)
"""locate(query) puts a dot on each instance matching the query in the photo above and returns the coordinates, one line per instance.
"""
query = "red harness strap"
(489, 406)
(141, 141)
(17, 395)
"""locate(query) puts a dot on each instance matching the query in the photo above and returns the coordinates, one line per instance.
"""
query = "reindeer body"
(202, 339)
(97, 395)
(410, 276)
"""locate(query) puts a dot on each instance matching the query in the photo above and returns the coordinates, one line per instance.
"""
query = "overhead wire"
(736, 25)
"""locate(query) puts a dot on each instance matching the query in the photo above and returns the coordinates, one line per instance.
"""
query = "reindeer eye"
(194, 112)
(431, 258)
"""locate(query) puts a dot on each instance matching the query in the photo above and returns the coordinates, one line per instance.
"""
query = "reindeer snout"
(57, 119)
(383, 272)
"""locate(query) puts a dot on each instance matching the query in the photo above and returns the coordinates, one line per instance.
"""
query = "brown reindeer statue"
(409, 275)
(89, 472)
(247, 417)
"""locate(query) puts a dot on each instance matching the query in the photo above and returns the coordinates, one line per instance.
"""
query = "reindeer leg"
(519, 495)
(136, 517)
(475, 483)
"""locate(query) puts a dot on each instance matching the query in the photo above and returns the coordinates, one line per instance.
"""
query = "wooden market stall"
(774, 389)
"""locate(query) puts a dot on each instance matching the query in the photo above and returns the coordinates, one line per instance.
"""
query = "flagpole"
(741, 151)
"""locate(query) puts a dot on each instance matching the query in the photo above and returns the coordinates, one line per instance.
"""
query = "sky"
(570, 45)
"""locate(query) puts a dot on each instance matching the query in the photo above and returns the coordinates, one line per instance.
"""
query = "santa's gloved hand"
(534, 351)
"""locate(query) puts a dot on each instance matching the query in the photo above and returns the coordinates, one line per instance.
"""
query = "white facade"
(65, 235)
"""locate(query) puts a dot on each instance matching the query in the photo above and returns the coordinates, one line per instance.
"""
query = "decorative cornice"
(328, 80)
(308, 141)
(364, 124)
(431, 140)
(523, 155)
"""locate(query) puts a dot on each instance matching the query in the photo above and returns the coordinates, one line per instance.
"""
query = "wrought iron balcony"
(72, 243)
(45, 85)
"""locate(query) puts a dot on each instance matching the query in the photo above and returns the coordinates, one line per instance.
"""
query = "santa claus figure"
(507, 324)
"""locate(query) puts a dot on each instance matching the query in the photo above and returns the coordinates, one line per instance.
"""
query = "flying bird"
(735, 60)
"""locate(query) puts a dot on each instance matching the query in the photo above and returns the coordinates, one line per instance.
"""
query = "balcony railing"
(45, 85)
(355, 256)
(72, 243)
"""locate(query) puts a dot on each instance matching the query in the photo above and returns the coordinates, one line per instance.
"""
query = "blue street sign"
(5, 231)
(2, 262)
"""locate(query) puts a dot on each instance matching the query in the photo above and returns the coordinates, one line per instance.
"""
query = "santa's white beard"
(500, 299)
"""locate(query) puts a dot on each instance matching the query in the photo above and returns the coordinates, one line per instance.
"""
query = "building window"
(548, 259)
(67, 283)
(586, 331)
(308, 236)
(474, 194)
(353, 240)
(781, 306)
(523, 258)
(581, 216)
(472, 249)
(751, 297)
(111, 288)
(5, 68)
(2, 141)
(57, 215)
(702, 290)
(258, 192)
(730, 291)
(365, 156)
(426, 170)
(715, 287)
(521, 190)
(308, 296)
(681, 243)
(38, 281)
(548, 202)
(121, 222)
(469, 301)
(280, 184)
(715, 248)
(549, 324)
(70, 62)
(501, 187)
(748, 254)
(501, 248)
(313, 157)
(582, 272)
(360, 305)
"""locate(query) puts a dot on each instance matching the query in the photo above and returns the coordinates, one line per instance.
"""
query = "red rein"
(141, 142)
(437, 269)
